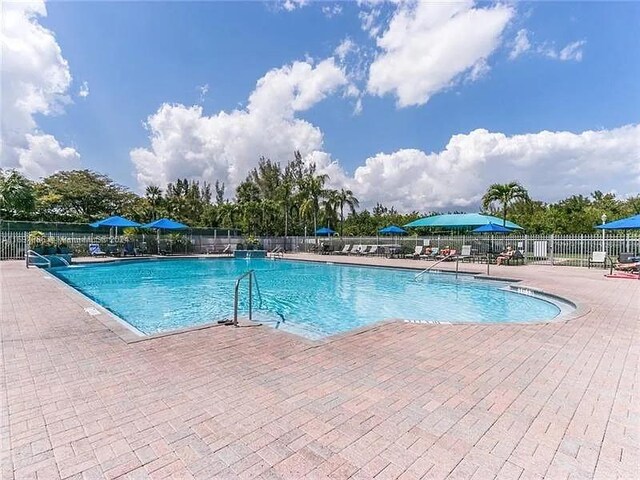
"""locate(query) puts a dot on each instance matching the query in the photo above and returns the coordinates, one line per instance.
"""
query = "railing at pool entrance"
(251, 275)
(27, 257)
(426, 270)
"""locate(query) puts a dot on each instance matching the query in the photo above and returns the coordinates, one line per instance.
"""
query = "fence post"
(551, 248)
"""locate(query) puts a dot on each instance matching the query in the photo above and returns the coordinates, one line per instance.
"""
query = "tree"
(311, 192)
(81, 196)
(345, 197)
(153, 194)
(506, 195)
(17, 196)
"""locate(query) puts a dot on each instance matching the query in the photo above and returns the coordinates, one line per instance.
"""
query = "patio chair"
(431, 256)
(374, 250)
(355, 250)
(516, 258)
(598, 258)
(465, 253)
(453, 254)
(95, 250)
(364, 250)
(344, 251)
(417, 252)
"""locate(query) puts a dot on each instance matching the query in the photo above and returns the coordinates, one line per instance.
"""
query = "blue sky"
(136, 57)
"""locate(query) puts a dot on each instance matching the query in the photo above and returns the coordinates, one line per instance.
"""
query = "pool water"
(311, 299)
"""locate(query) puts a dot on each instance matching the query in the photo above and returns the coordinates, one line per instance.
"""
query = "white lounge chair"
(344, 251)
(416, 253)
(432, 255)
(364, 250)
(373, 251)
(465, 253)
(598, 258)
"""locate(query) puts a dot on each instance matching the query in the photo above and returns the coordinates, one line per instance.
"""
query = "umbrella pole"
(158, 240)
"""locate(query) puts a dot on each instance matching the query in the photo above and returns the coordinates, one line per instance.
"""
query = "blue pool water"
(311, 299)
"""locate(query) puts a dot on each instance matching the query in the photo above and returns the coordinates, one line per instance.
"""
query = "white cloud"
(43, 155)
(330, 11)
(184, 142)
(290, 5)
(346, 46)
(84, 90)
(550, 164)
(203, 89)
(571, 52)
(521, 44)
(35, 80)
(428, 46)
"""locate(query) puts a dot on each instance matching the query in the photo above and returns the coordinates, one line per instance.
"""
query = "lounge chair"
(515, 258)
(374, 250)
(431, 256)
(417, 252)
(453, 254)
(364, 250)
(598, 258)
(344, 251)
(465, 253)
(95, 250)
(356, 250)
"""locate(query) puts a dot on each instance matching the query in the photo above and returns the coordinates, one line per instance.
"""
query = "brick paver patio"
(400, 400)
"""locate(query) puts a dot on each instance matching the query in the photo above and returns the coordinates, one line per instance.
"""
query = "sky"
(420, 105)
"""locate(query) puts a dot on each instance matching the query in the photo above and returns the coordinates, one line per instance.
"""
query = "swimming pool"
(308, 298)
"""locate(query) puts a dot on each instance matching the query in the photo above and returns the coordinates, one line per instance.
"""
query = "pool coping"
(130, 334)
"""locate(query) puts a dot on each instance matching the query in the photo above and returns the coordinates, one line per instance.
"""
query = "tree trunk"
(504, 215)
(341, 217)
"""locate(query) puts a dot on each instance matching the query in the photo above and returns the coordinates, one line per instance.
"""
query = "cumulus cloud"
(290, 5)
(521, 44)
(428, 46)
(84, 90)
(185, 142)
(35, 80)
(573, 51)
(330, 11)
(550, 164)
(43, 155)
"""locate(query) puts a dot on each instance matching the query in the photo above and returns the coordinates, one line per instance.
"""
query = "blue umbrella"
(459, 220)
(492, 228)
(628, 223)
(164, 224)
(325, 231)
(114, 222)
(392, 230)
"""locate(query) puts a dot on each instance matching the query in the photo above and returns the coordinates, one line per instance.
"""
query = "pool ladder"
(251, 275)
(27, 257)
(457, 258)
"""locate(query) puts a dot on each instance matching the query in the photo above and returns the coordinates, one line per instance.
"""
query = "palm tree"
(153, 193)
(506, 195)
(312, 192)
(346, 198)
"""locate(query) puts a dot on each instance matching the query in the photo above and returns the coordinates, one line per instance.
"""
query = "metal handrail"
(418, 275)
(29, 252)
(252, 277)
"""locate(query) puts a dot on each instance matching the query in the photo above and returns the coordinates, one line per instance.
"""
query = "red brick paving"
(400, 400)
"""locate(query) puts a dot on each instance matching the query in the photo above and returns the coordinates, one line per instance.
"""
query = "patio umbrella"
(492, 228)
(116, 222)
(392, 230)
(324, 232)
(459, 221)
(164, 224)
(629, 223)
